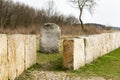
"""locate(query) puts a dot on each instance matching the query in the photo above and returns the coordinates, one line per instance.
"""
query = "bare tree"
(71, 20)
(5, 13)
(81, 5)
(50, 8)
(16, 15)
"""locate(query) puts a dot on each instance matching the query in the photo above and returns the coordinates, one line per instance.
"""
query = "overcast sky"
(106, 12)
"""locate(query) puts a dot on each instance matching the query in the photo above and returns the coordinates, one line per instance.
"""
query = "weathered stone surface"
(117, 39)
(89, 50)
(30, 50)
(105, 43)
(103, 50)
(73, 57)
(68, 46)
(15, 55)
(11, 58)
(19, 43)
(50, 38)
(118, 36)
(96, 40)
(79, 54)
(3, 57)
(112, 38)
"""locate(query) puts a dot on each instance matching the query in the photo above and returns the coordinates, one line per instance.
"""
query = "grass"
(50, 61)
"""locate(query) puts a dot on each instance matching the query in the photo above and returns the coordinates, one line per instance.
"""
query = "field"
(49, 67)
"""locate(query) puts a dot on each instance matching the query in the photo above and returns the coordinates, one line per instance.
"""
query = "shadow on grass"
(48, 62)
(38, 51)
(49, 66)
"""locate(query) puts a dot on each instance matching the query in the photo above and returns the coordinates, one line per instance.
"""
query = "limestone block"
(11, 58)
(117, 39)
(101, 39)
(113, 42)
(105, 43)
(30, 50)
(108, 42)
(103, 47)
(15, 55)
(89, 50)
(97, 48)
(73, 56)
(3, 57)
(50, 38)
(68, 47)
(79, 54)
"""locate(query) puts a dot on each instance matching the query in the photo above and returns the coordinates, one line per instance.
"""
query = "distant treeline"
(17, 14)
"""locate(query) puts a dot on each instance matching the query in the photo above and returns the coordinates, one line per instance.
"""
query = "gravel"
(52, 75)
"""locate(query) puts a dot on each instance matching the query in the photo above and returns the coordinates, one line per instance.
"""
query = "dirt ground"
(51, 75)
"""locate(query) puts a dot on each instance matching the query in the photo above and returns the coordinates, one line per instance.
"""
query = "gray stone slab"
(50, 38)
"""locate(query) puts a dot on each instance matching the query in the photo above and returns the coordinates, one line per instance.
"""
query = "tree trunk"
(80, 19)
(1, 25)
(81, 23)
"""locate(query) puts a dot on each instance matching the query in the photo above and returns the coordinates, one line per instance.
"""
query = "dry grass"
(77, 31)
(67, 30)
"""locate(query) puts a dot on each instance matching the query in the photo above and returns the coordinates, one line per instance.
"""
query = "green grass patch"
(46, 61)
(49, 62)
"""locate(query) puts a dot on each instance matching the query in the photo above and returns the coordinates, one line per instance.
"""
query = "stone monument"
(50, 38)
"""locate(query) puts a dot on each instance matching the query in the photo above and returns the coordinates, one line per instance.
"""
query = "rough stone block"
(11, 58)
(112, 38)
(15, 55)
(117, 39)
(106, 42)
(89, 50)
(96, 40)
(68, 46)
(73, 56)
(3, 57)
(30, 50)
(79, 54)
(50, 38)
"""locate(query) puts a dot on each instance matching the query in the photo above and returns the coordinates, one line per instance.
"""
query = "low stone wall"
(83, 50)
(17, 53)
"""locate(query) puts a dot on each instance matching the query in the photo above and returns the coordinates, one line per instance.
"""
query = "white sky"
(106, 12)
